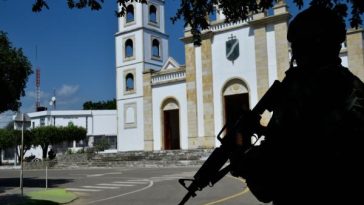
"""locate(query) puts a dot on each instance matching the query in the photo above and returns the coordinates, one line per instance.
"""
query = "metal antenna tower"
(37, 82)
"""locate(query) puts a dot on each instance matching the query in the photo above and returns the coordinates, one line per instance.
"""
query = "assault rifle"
(248, 124)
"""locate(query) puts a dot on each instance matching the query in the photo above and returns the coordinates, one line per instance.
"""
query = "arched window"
(129, 13)
(153, 14)
(155, 48)
(129, 82)
(129, 49)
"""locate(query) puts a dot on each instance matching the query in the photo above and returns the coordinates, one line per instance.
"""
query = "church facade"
(162, 105)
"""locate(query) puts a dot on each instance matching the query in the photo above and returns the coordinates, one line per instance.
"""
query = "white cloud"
(66, 95)
(69, 101)
(66, 98)
(32, 94)
(29, 100)
(67, 90)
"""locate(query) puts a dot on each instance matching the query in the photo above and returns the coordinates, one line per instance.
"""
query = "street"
(135, 186)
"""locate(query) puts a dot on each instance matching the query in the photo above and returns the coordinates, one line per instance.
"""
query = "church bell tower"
(141, 45)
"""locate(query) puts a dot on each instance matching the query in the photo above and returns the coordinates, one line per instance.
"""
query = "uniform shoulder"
(356, 82)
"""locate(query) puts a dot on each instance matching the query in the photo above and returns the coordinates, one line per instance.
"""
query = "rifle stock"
(213, 169)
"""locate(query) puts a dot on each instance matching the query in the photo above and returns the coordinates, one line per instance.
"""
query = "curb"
(10, 167)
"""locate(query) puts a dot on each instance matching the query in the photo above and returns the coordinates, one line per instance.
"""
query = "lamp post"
(22, 120)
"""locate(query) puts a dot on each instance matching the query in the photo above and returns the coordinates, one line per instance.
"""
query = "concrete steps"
(170, 158)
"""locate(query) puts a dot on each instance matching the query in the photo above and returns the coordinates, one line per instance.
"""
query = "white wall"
(224, 70)
(344, 60)
(137, 19)
(137, 37)
(103, 122)
(75, 120)
(61, 117)
(148, 48)
(178, 92)
(97, 122)
(130, 139)
(160, 9)
(141, 31)
(138, 82)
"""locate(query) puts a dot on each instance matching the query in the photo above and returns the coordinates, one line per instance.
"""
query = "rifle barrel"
(186, 198)
(191, 193)
(212, 169)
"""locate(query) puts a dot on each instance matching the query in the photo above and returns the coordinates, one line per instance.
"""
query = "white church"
(162, 105)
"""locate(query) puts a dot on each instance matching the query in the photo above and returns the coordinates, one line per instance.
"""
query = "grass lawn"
(50, 197)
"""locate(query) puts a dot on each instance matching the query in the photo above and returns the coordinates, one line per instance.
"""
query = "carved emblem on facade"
(232, 48)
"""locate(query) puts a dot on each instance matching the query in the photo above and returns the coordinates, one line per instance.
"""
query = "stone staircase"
(170, 158)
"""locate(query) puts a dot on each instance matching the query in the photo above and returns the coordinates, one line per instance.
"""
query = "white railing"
(168, 77)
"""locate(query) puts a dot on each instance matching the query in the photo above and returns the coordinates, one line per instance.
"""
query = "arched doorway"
(236, 100)
(170, 124)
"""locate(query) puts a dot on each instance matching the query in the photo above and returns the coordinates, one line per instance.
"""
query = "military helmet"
(317, 25)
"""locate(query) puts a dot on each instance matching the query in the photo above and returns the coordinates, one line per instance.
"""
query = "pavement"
(13, 195)
(10, 192)
(134, 186)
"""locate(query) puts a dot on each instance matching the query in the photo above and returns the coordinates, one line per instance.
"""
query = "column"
(207, 89)
(355, 52)
(148, 111)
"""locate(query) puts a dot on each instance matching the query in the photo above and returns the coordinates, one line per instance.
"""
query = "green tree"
(5, 140)
(51, 135)
(100, 105)
(27, 141)
(45, 136)
(12, 138)
(194, 12)
(72, 132)
(14, 71)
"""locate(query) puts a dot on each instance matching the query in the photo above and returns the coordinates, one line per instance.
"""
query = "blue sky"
(75, 50)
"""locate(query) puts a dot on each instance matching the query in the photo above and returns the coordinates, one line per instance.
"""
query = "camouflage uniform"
(313, 147)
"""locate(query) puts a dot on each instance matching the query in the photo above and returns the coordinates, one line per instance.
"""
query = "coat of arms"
(232, 48)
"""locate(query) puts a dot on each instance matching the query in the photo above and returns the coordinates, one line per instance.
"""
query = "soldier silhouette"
(313, 150)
